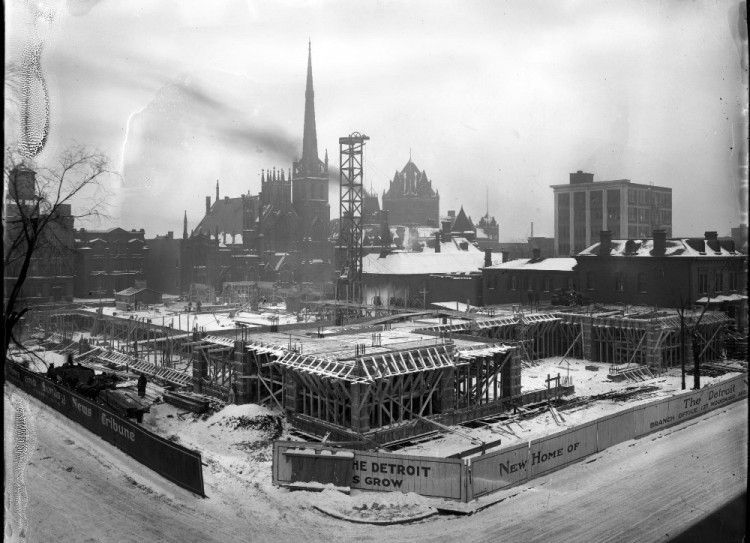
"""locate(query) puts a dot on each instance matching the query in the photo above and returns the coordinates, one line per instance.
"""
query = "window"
(513, 282)
(718, 282)
(590, 280)
(632, 198)
(702, 282)
(733, 281)
(642, 282)
(547, 283)
(619, 282)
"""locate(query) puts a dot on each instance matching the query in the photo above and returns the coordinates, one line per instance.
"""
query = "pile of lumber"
(187, 400)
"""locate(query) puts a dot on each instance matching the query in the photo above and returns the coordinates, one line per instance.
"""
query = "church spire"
(310, 137)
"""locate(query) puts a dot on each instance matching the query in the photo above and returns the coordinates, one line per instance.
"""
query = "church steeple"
(310, 137)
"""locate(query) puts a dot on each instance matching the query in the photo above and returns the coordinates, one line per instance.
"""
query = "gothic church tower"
(310, 174)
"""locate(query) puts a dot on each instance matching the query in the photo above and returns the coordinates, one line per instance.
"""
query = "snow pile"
(37, 360)
(374, 507)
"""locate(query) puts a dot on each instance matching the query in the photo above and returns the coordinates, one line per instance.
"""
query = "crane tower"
(350, 233)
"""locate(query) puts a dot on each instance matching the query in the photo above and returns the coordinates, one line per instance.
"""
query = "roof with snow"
(543, 264)
(424, 263)
(689, 247)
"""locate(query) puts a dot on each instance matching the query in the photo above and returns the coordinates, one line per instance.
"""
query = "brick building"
(108, 261)
(527, 280)
(50, 274)
(666, 272)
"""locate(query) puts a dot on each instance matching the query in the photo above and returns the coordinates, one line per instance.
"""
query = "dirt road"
(81, 489)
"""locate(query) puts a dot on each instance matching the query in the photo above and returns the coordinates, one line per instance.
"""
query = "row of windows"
(621, 282)
(707, 280)
(641, 197)
(515, 282)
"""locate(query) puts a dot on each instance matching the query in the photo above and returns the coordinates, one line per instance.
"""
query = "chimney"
(660, 243)
(605, 242)
(170, 235)
(537, 254)
(487, 258)
(505, 255)
(446, 226)
(712, 240)
(437, 242)
(208, 205)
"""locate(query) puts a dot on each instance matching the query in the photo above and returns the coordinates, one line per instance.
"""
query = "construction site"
(389, 379)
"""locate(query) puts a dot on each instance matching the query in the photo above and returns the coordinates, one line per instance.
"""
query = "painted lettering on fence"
(540, 457)
(386, 468)
(507, 467)
(118, 428)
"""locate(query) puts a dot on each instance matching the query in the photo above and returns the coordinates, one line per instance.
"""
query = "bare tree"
(39, 217)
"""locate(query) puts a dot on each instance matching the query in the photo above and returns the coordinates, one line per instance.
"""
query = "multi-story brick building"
(629, 210)
(666, 272)
(108, 261)
(49, 277)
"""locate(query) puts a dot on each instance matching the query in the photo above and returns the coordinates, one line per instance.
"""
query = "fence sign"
(557, 450)
(424, 475)
(180, 465)
(493, 471)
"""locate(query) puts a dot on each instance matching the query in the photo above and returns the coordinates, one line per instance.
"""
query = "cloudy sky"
(489, 97)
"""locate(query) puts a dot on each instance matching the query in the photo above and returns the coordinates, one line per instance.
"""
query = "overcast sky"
(505, 98)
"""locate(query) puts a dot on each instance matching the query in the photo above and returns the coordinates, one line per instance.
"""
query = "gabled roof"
(462, 223)
(226, 214)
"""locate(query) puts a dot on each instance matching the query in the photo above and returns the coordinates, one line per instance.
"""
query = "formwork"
(653, 338)
(379, 389)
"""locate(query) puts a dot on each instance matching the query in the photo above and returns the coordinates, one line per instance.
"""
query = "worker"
(142, 385)
(231, 395)
(69, 361)
(51, 371)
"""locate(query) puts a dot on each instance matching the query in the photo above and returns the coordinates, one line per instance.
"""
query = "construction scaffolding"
(350, 236)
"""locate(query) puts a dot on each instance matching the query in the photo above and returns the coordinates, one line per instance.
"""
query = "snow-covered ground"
(587, 383)
(78, 488)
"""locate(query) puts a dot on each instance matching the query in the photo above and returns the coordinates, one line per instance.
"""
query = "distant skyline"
(497, 98)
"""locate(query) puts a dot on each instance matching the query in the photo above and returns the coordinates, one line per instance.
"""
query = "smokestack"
(605, 242)
(437, 242)
(208, 205)
(487, 258)
(217, 190)
(532, 229)
(660, 243)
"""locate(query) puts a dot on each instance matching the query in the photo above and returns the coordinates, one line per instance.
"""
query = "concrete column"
(290, 392)
(199, 371)
(446, 392)
(510, 375)
(360, 419)
(587, 338)
(653, 354)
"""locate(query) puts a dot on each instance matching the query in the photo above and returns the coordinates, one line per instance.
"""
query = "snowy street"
(81, 489)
